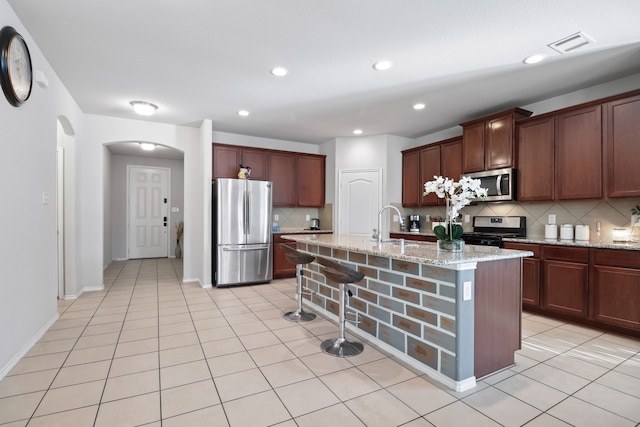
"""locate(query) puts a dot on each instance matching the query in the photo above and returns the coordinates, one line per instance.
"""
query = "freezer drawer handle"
(244, 249)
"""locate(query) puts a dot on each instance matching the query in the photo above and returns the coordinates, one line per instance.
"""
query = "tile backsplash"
(296, 218)
(612, 213)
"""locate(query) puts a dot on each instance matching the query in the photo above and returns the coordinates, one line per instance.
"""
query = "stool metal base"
(299, 316)
(340, 347)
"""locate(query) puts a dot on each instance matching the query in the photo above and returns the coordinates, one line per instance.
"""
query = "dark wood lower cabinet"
(282, 268)
(565, 287)
(592, 286)
(615, 288)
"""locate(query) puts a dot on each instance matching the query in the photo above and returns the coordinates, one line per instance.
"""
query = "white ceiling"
(206, 59)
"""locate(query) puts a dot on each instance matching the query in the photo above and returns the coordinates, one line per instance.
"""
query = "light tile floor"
(148, 351)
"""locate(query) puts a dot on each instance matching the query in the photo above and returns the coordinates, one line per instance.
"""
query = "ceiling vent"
(573, 42)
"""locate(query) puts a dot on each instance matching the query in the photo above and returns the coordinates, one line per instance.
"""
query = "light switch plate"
(308, 217)
(276, 217)
(467, 218)
(175, 209)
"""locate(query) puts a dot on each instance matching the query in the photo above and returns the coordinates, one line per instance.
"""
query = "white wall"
(28, 255)
(268, 143)
(106, 130)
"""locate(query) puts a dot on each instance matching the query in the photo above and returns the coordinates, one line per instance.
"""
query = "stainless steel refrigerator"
(242, 250)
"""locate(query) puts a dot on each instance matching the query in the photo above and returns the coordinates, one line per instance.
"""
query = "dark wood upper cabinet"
(473, 147)
(298, 178)
(622, 144)
(283, 172)
(536, 160)
(429, 167)
(489, 143)
(226, 161)
(421, 164)
(257, 161)
(411, 194)
(311, 177)
(451, 158)
(578, 148)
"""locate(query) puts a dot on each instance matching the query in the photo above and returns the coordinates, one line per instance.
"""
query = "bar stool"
(341, 347)
(298, 258)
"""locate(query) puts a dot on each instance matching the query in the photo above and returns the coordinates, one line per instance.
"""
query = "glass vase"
(451, 245)
(178, 251)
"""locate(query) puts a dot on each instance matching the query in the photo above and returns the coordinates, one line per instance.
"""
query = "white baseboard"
(15, 359)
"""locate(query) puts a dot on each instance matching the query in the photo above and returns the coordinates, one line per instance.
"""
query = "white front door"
(148, 214)
(359, 201)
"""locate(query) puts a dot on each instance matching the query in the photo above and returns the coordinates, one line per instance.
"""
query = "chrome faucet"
(379, 231)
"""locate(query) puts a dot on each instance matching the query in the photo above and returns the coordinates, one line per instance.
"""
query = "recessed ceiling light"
(534, 59)
(419, 106)
(382, 65)
(279, 71)
(357, 132)
(144, 108)
(243, 113)
(147, 146)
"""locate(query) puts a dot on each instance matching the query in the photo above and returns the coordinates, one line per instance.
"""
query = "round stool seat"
(294, 256)
(339, 273)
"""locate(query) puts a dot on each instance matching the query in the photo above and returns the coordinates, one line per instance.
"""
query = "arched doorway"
(120, 158)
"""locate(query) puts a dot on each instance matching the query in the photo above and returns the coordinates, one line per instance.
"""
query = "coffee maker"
(414, 223)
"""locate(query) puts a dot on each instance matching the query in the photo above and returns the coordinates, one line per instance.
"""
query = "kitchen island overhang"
(454, 316)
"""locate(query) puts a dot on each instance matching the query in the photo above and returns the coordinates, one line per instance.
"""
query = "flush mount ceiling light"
(419, 106)
(357, 131)
(147, 146)
(144, 108)
(534, 59)
(382, 65)
(279, 71)
(243, 113)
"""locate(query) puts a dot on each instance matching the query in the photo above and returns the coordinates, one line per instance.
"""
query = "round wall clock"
(15, 67)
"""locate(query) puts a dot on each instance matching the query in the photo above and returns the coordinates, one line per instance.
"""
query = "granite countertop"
(593, 243)
(422, 252)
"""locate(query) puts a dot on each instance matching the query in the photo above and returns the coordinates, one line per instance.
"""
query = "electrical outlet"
(467, 218)
(552, 219)
(395, 218)
(466, 291)
(427, 218)
(308, 217)
(635, 220)
(276, 217)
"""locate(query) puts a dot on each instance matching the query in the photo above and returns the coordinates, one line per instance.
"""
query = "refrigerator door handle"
(247, 215)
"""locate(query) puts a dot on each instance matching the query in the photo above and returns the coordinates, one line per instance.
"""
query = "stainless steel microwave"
(500, 184)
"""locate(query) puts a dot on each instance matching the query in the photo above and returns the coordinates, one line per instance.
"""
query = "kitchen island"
(454, 316)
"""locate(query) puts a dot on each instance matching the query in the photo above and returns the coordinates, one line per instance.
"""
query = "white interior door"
(148, 214)
(359, 195)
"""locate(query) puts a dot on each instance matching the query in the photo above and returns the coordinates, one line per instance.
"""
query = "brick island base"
(454, 322)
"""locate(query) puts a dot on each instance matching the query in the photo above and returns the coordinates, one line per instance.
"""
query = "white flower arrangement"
(457, 195)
